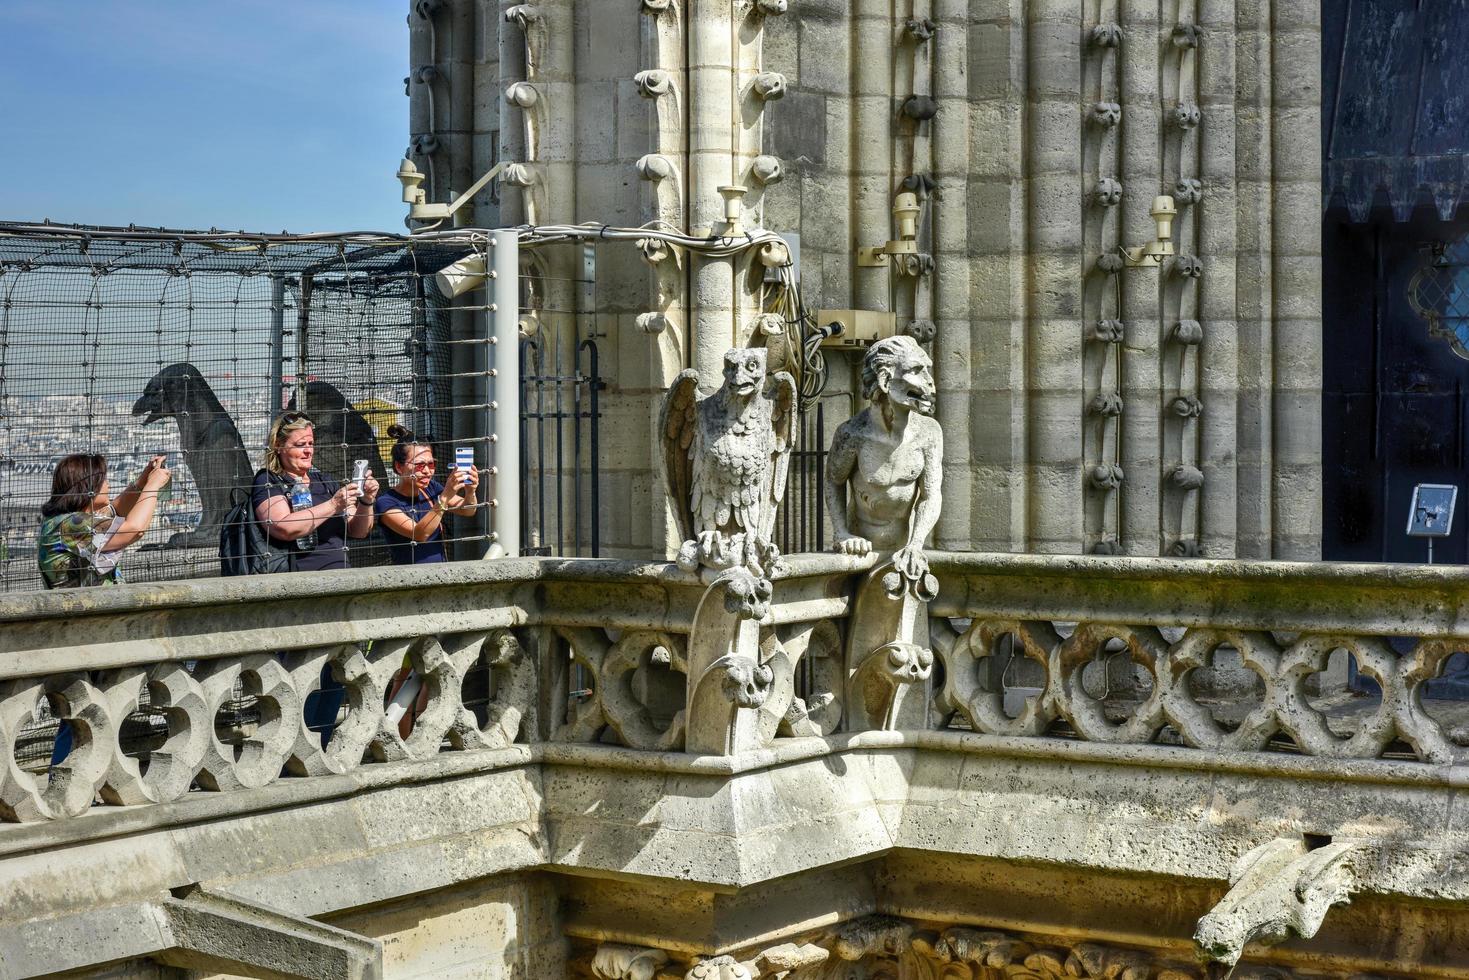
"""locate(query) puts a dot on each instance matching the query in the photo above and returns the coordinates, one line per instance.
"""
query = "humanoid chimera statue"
(891, 454)
(725, 460)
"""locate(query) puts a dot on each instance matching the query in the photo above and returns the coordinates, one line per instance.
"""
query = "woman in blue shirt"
(411, 513)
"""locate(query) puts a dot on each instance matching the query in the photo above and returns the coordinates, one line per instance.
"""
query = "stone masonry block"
(995, 139)
(996, 67)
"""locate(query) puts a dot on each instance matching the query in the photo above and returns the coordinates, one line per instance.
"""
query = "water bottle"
(301, 496)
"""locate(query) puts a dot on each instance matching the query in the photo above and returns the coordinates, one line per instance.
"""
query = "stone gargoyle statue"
(884, 488)
(890, 455)
(725, 458)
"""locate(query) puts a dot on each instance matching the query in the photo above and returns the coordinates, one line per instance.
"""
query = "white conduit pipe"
(504, 482)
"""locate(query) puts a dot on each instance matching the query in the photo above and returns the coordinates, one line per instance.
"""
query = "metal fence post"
(504, 317)
(277, 343)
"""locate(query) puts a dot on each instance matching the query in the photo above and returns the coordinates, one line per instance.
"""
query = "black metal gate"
(560, 457)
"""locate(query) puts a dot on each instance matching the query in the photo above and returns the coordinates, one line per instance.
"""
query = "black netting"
(133, 344)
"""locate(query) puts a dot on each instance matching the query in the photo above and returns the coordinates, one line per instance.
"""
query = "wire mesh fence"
(136, 343)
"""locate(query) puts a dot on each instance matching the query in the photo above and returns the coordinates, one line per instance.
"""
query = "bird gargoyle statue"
(725, 458)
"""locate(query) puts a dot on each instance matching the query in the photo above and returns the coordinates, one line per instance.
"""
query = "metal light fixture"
(1153, 254)
(417, 199)
(905, 213)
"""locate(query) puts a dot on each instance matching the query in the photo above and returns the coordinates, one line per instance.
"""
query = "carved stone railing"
(563, 651)
(1220, 656)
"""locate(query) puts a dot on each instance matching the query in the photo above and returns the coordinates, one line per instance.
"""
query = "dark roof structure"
(1395, 104)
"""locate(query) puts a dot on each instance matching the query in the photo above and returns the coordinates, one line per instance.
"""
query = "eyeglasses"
(295, 418)
(425, 467)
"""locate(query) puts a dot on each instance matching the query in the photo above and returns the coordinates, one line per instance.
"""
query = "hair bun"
(400, 433)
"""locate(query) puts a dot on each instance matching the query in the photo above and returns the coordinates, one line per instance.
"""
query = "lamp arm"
(478, 186)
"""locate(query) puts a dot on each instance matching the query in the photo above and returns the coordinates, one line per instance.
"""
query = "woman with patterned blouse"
(83, 530)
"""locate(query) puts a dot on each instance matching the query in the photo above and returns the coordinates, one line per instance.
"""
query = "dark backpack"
(244, 547)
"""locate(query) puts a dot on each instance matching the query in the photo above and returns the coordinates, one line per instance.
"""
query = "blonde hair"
(282, 427)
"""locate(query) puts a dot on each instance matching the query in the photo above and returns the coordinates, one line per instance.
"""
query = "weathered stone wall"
(1140, 411)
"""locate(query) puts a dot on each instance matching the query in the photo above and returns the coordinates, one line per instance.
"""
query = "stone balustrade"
(1223, 657)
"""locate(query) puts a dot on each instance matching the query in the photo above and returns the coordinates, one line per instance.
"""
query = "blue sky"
(256, 114)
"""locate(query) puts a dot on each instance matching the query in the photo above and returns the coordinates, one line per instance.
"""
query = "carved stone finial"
(1105, 114)
(1188, 332)
(770, 324)
(1185, 115)
(655, 167)
(654, 250)
(1106, 36)
(1187, 407)
(1185, 548)
(1105, 476)
(652, 323)
(920, 29)
(1109, 263)
(1186, 477)
(1107, 404)
(769, 86)
(913, 265)
(1186, 36)
(1187, 266)
(522, 95)
(920, 184)
(1109, 331)
(922, 331)
(1188, 190)
(523, 15)
(518, 175)
(653, 82)
(919, 108)
(766, 169)
(1108, 192)
(774, 255)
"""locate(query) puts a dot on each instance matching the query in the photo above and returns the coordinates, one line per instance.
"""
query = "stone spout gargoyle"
(1279, 888)
(884, 489)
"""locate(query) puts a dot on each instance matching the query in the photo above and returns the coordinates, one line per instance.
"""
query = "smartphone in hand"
(464, 458)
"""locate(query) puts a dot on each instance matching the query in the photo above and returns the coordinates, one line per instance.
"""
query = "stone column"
(1296, 270)
(873, 37)
(992, 362)
(952, 279)
(1139, 526)
(1254, 429)
(1217, 216)
(1053, 343)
